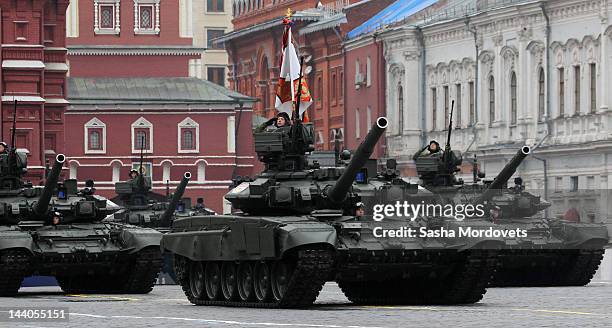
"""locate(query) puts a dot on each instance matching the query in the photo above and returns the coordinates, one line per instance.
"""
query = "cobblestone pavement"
(166, 306)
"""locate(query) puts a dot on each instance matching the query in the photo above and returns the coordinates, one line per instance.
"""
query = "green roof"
(150, 91)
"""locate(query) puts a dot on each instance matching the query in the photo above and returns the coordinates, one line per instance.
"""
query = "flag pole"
(299, 91)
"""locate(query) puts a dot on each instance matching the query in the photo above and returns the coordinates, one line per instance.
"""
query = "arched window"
(491, 100)
(513, 110)
(541, 94)
(94, 140)
(400, 108)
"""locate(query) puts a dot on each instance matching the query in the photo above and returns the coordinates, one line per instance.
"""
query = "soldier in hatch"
(3, 147)
(280, 121)
(433, 147)
(133, 174)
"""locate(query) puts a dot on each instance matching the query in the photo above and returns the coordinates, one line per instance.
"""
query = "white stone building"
(521, 72)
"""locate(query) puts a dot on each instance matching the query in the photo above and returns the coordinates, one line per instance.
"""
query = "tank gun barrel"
(40, 209)
(176, 198)
(338, 191)
(505, 174)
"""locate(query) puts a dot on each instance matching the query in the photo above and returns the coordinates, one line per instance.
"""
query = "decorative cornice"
(134, 51)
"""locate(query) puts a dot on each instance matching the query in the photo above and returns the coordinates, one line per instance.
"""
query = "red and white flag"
(286, 92)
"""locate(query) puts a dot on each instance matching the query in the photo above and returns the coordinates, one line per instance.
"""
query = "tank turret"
(289, 186)
(42, 205)
(502, 178)
(176, 198)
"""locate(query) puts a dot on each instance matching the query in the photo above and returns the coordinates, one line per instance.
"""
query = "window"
(146, 17)
(214, 6)
(541, 100)
(216, 75)
(357, 124)
(576, 90)
(21, 31)
(574, 183)
(561, 91)
(94, 140)
(231, 134)
(513, 109)
(446, 107)
(50, 143)
(141, 140)
(434, 109)
(400, 108)
(95, 137)
(212, 34)
(369, 117)
(188, 134)
(142, 136)
(593, 87)
(358, 77)
(472, 106)
(368, 71)
(341, 91)
(491, 100)
(319, 94)
(333, 87)
(107, 16)
(201, 171)
(187, 141)
(457, 109)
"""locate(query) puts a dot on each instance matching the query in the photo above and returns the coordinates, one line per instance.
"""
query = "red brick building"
(129, 68)
(33, 57)
(365, 89)
(254, 49)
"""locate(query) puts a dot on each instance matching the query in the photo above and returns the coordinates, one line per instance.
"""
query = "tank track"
(14, 266)
(465, 284)
(312, 269)
(139, 279)
(565, 268)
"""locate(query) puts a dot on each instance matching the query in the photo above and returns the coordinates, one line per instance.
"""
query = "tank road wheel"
(212, 280)
(261, 275)
(281, 275)
(196, 281)
(245, 281)
(229, 285)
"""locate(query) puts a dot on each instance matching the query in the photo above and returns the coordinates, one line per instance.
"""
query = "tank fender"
(291, 236)
(16, 239)
(138, 239)
(583, 235)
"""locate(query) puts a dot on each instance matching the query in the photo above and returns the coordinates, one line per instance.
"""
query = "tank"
(555, 252)
(294, 228)
(57, 230)
(140, 209)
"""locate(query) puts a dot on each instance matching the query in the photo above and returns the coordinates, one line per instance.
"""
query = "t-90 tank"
(295, 228)
(554, 253)
(56, 230)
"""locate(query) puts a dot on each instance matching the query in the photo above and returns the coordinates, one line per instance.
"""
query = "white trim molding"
(142, 123)
(116, 22)
(188, 123)
(155, 29)
(94, 123)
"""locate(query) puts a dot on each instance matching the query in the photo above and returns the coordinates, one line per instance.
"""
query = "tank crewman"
(3, 147)
(359, 211)
(133, 174)
(433, 147)
(281, 120)
(55, 218)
